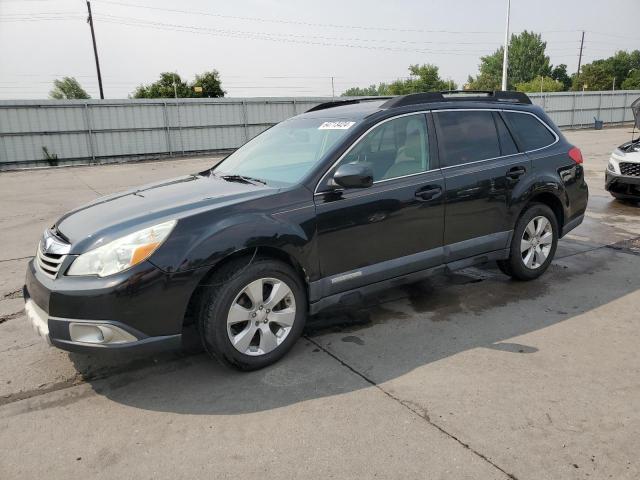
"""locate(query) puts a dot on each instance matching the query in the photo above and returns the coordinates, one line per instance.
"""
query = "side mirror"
(353, 175)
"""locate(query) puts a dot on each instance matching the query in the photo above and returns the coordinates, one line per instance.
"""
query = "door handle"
(430, 192)
(516, 172)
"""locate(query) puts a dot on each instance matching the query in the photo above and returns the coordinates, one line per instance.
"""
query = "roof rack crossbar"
(458, 95)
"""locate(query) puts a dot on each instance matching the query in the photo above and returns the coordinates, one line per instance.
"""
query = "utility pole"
(333, 90)
(580, 57)
(505, 58)
(95, 49)
(175, 88)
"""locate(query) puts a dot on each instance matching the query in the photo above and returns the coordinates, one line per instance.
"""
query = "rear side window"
(466, 136)
(531, 133)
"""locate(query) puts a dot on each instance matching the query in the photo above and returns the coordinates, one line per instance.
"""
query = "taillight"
(575, 154)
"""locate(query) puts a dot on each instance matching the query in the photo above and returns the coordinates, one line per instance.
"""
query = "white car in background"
(622, 178)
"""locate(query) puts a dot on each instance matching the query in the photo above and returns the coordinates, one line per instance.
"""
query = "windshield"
(285, 153)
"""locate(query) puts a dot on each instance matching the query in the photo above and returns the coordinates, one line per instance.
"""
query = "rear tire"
(271, 296)
(534, 243)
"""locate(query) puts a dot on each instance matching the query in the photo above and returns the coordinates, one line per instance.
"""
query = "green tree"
(427, 79)
(527, 60)
(370, 91)
(68, 88)
(622, 64)
(164, 88)
(210, 84)
(601, 74)
(423, 78)
(596, 75)
(538, 84)
(632, 82)
(560, 74)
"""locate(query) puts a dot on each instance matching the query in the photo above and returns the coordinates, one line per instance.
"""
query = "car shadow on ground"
(397, 332)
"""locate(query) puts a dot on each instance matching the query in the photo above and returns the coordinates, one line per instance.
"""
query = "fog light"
(99, 333)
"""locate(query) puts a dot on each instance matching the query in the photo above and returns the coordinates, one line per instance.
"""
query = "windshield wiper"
(242, 178)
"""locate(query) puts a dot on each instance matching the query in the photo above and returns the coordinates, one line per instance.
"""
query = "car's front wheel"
(253, 313)
(534, 243)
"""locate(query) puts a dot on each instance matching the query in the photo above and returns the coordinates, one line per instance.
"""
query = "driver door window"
(395, 148)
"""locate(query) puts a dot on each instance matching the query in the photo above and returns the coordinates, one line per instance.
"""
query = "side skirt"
(357, 295)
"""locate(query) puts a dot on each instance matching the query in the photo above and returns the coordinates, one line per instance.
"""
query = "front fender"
(202, 241)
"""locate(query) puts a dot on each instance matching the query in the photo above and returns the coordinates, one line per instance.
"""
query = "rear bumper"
(89, 328)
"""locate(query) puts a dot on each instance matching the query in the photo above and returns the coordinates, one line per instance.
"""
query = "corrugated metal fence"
(55, 132)
(578, 109)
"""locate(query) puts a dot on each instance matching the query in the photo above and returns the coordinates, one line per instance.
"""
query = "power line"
(290, 22)
(289, 38)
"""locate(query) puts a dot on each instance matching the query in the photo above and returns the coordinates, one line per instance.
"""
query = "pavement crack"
(102, 374)
(42, 390)
(86, 184)
(14, 259)
(17, 293)
(9, 316)
(412, 407)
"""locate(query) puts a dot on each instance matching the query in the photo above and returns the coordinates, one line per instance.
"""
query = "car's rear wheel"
(535, 239)
(253, 313)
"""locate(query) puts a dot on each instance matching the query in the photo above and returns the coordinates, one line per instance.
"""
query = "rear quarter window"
(530, 131)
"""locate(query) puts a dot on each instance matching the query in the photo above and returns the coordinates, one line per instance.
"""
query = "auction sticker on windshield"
(336, 125)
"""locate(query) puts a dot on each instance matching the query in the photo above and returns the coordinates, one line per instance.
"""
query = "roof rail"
(339, 103)
(457, 95)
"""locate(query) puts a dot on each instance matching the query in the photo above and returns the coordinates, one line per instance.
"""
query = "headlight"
(613, 166)
(122, 253)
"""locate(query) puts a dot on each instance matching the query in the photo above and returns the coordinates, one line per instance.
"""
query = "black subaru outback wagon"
(322, 209)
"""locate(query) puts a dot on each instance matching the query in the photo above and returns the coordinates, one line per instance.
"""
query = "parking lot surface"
(468, 375)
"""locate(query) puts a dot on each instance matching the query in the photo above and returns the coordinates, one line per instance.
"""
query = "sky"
(286, 47)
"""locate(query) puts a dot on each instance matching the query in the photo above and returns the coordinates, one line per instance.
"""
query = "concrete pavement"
(468, 375)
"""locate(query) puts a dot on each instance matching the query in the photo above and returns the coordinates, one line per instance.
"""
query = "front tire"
(535, 239)
(253, 313)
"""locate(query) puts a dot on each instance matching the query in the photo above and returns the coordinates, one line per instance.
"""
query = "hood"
(113, 216)
(632, 147)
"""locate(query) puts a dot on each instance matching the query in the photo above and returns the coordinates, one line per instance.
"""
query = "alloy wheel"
(536, 242)
(261, 316)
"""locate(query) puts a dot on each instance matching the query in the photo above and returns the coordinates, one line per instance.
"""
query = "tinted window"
(530, 132)
(507, 145)
(465, 136)
(394, 148)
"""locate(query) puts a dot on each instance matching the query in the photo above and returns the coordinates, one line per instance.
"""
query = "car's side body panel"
(386, 221)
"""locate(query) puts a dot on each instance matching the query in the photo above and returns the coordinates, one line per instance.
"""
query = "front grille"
(630, 169)
(49, 263)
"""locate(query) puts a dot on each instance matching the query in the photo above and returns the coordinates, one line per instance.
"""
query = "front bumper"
(622, 185)
(129, 311)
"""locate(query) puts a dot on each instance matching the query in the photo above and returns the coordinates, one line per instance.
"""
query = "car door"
(481, 166)
(393, 227)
